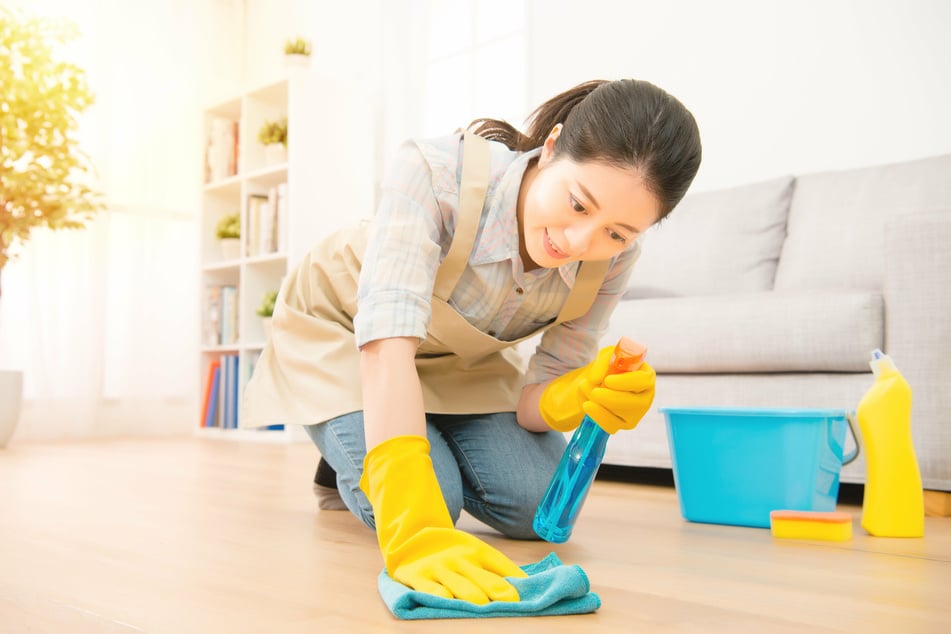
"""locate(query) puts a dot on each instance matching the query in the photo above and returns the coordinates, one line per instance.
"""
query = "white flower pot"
(11, 397)
(275, 154)
(230, 248)
(296, 60)
(266, 327)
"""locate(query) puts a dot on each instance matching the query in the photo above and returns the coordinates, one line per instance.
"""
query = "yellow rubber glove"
(561, 403)
(420, 546)
(622, 400)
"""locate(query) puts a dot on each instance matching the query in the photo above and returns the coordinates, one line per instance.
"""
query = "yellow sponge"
(832, 526)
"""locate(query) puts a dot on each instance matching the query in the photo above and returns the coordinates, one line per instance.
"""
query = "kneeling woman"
(393, 344)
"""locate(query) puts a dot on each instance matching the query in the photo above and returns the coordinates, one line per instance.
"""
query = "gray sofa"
(774, 294)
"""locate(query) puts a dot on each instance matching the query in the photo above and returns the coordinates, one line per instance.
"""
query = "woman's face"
(572, 211)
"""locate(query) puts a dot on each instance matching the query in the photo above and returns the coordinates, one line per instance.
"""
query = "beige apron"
(309, 371)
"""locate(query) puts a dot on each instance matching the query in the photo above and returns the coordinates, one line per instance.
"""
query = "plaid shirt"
(411, 234)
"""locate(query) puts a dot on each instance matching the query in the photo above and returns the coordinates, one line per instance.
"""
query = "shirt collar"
(498, 239)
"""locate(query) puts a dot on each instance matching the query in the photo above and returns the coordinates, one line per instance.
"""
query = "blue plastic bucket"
(735, 465)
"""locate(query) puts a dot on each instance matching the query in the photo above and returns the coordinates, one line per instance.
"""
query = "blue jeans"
(485, 464)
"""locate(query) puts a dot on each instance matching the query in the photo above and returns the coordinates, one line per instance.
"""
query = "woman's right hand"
(561, 402)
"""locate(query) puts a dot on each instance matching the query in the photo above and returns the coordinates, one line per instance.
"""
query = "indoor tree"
(44, 175)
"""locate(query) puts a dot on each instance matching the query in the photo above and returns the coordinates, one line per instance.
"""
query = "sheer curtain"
(104, 321)
(102, 324)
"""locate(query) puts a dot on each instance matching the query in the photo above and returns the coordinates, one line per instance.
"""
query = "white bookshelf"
(329, 176)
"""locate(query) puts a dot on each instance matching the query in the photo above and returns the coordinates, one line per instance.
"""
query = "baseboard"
(937, 503)
(656, 476)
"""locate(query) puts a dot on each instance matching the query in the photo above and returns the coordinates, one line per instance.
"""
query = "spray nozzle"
(877, 354)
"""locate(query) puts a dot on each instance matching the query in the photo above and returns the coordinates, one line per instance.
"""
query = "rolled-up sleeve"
(402, 254)
(574, 343)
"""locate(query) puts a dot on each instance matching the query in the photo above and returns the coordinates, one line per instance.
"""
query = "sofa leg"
(937, 503)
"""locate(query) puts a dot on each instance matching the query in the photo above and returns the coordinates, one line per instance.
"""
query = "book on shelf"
(267, 243)
(267, 221)
(211, 328)
(235, 393)
(210, 409)
(221, 151)
(258, 224)
(222, 393)
(225, 401)
(220, 327)
(229, 315)
(225, 393)
(280, 215)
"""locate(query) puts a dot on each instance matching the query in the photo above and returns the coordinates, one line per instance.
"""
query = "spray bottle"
(562, 502)
(894, 500)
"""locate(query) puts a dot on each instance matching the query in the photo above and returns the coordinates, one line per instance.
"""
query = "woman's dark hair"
(627, 123)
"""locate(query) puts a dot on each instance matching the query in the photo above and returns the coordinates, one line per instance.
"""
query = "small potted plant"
(297, 53)
(266, 311)
(273, 136)
(228, 233)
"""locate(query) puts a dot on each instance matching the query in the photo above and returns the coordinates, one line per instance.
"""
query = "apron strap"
(472, 190)
(588, 282)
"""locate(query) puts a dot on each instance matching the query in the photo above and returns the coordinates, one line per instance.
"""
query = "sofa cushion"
(755, 332)
(837, 221)
(725, 241)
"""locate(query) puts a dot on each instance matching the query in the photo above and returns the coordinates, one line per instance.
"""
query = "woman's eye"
(617, 236)
(575, 204)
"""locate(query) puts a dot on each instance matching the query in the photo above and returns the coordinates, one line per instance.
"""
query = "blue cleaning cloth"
(550, 589)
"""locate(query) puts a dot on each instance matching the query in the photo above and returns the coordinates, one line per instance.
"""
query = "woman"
(393, 344)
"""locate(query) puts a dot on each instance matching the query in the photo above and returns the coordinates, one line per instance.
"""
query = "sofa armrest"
(917, 293)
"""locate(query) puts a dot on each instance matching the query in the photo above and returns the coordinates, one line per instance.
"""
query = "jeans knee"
(513, 515)
(522, 529)
(454, 505)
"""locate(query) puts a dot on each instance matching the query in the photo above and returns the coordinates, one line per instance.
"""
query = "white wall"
(349, 39)
(777, 87)
(346, 37)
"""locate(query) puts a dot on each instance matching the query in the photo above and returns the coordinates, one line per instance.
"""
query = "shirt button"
(518, 290)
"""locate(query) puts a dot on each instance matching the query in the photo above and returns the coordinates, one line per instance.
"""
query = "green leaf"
(44, 174)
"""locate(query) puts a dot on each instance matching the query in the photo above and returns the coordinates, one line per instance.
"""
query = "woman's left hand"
(622, 400)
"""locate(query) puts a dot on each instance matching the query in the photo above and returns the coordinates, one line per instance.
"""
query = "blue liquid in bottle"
(559, 508)
(562, 502)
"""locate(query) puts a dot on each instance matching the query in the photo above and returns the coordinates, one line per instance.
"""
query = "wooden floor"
(212, 536)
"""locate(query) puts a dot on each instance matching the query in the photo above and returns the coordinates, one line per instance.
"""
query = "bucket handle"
(850, 417)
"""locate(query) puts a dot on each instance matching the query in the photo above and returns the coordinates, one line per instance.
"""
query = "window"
(476, 64)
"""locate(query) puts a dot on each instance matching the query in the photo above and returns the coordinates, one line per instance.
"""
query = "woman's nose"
(579, 236)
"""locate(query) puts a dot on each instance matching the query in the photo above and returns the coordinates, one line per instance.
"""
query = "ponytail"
(541, 121)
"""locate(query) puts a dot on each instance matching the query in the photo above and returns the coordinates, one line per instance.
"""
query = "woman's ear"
(548, 148)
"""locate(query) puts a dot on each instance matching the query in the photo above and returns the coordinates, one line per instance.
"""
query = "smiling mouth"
(552, 250)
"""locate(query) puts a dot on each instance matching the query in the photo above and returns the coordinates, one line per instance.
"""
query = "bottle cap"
(628, 356)
(881, 361)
